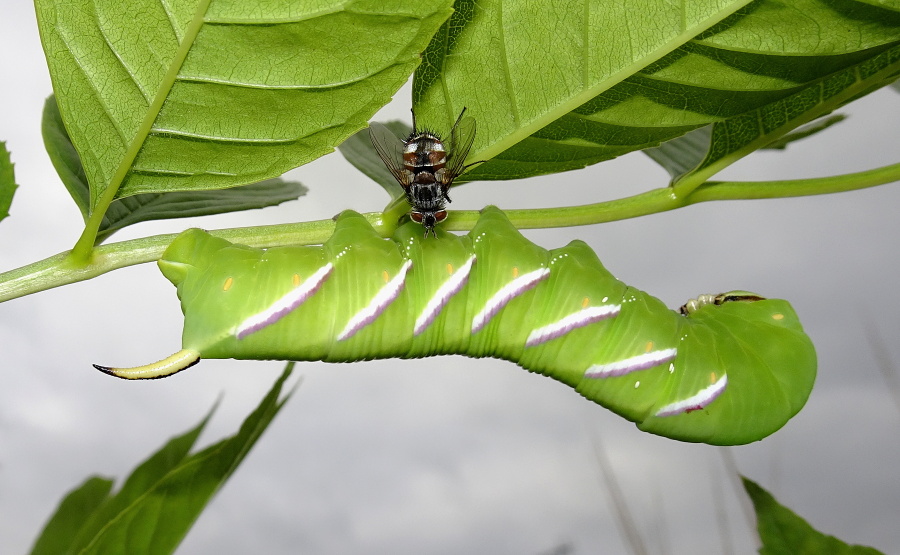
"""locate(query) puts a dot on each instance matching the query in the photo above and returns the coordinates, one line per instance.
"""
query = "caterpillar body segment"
(731, 369)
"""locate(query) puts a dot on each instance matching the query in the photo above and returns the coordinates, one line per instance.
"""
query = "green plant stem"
(663, 200)
(60, 270)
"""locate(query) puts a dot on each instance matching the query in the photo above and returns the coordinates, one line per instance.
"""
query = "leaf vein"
(171, 17)
(266, 86)
(175, 173)
(101, 99)
(507, 75)
(586, 46)
(337, 8)
(146, 127)
(163, 132)
(106, 40)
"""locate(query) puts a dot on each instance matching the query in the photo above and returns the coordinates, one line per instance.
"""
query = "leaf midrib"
(162, 93)
(85, 243)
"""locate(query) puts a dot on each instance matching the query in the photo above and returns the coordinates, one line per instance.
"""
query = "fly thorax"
(436, 158)
(423, 151)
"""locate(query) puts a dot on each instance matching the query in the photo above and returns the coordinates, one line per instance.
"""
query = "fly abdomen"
(426, 197)
(424, 178)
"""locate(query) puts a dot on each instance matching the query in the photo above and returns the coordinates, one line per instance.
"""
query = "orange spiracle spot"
(649, 346)
(449, 269)
(778, 316)
(712, 377)
(585, 302)
(295, 279)
(385, 276)
(515, 271)
(228, 283)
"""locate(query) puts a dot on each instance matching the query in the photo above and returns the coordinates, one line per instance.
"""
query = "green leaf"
(208, 94)
(70, 517)
(557, 86)
(889, 4)
(7, 181)
(152, 206)
(682, 155)
(64, 157)
(161, 499)
(740, 135)
(805, 131)
(358, 150)
(81, 528)
(784, 533)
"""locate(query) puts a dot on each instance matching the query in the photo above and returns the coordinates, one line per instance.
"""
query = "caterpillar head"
(732, 296)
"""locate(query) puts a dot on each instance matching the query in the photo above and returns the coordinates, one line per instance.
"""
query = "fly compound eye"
(416, 216)
(440, 216)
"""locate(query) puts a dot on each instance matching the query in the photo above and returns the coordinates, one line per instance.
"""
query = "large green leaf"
(75, 510)
(782, 532)
(683, 154)
(7, 181)
(557, 86)
(161, 499)
(771, 124)
(152, 206)
(205, 94)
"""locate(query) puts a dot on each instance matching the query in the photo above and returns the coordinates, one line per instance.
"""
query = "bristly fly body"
(425, 165)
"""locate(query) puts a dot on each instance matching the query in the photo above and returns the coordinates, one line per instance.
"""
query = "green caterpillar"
(730, 369)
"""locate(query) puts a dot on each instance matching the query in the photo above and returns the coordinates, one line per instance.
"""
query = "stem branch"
(61, 269)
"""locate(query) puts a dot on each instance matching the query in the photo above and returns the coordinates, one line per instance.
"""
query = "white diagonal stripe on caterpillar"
(505, 294)
(697, 401)
(442, 296)
(286, 304)
(633, 364)
(385, 296)
(571, 322)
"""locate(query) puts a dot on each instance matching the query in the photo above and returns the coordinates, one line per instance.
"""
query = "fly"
(424, 166)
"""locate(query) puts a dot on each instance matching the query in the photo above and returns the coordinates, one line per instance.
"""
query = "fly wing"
(461, 138)
(390, 149)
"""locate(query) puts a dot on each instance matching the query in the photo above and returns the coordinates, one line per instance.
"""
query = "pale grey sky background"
(451, 455)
